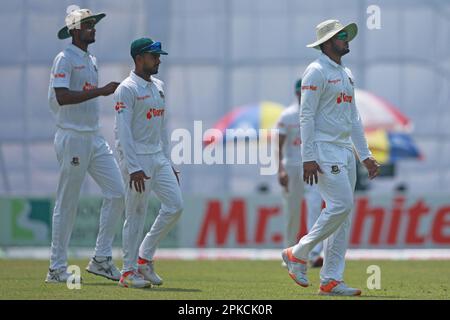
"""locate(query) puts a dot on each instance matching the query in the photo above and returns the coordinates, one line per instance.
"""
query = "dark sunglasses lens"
(342, 35)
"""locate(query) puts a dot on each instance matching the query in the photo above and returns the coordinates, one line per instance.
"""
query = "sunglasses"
(155, 46)
(343, 35)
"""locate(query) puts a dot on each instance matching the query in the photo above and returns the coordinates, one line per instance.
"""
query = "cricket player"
(80, 148)
(330, 125)
(144, 156)
(290, 171)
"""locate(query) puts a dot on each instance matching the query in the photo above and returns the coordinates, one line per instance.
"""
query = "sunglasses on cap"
(155, 46)
(343, 35)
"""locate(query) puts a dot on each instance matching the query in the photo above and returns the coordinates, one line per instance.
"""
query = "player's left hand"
(177, 173)
(372, 166)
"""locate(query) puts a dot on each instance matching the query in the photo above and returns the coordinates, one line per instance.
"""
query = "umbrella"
(391, 146)
(387, 129)
(377, 113)
(263, 115)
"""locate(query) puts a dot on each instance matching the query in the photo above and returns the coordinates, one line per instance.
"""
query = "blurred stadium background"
(224, 54)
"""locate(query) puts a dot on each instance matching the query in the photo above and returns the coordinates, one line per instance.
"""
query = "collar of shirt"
(326, 58)
(78, 51)
(141, 82)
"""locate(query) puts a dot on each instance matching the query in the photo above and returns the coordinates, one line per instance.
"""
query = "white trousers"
(292, 203)
(337, 185)
(80, 153)
(314, 207)
(164, 184)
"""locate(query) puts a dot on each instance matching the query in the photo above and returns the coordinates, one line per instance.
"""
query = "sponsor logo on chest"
(89, 86)
(153, 112)
(342, 97)
(334, 81)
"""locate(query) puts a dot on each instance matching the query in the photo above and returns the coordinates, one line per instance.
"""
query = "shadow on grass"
(154, 289)
(362, 297)
(164, 289)
(100, 284)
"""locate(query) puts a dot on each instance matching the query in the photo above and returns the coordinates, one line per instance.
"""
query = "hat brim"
(162, 52)
(64, 32)
(351, 28)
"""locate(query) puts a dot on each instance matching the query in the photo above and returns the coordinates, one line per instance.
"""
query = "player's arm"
(360, 143)
(124, 104)
(64, 96)
(61, 73)
(282, 133)
(312, 86)
(164, 134)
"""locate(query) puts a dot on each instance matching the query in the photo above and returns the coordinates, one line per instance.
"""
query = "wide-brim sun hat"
(327, 29)
(75, 17)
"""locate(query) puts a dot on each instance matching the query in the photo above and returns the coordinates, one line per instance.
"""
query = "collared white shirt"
(76, 70)
(289, 126)
(328, 112)
(140, 126)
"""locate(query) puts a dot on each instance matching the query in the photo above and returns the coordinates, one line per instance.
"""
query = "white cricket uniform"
(79, 149)
(289, 125)
(330, 127)
(142, 144)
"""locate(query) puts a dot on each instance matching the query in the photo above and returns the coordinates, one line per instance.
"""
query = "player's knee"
(343, 207)
(177, 208)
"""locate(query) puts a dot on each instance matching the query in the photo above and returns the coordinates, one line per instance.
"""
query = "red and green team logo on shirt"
(119, 107)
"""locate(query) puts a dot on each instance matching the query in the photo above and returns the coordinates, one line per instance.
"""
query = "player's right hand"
(310, 170)
(109, 88)
(138, 179)
(283, 179)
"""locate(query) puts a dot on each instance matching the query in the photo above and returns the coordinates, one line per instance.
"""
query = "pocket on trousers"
(327, 153)
(58, 144)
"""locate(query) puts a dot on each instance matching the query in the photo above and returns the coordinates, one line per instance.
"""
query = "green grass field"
(238, 279)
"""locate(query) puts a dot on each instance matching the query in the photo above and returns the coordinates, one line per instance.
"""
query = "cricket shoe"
(147, 270)
(132, 279)
(297, 268)
(337, 288)
(104, 267)
(57, 275)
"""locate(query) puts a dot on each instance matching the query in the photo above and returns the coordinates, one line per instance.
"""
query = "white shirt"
(140, 126)
(76, 70)
(328, 111)
(289, 125)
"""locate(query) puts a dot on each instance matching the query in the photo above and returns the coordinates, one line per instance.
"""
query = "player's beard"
(87, 38)
(340, 51)
(152, 70)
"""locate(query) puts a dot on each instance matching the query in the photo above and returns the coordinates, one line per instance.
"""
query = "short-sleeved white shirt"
(76, 70)
(140, 126)
(289, 125)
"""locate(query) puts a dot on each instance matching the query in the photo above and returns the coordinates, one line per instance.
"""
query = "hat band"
(77, 24)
